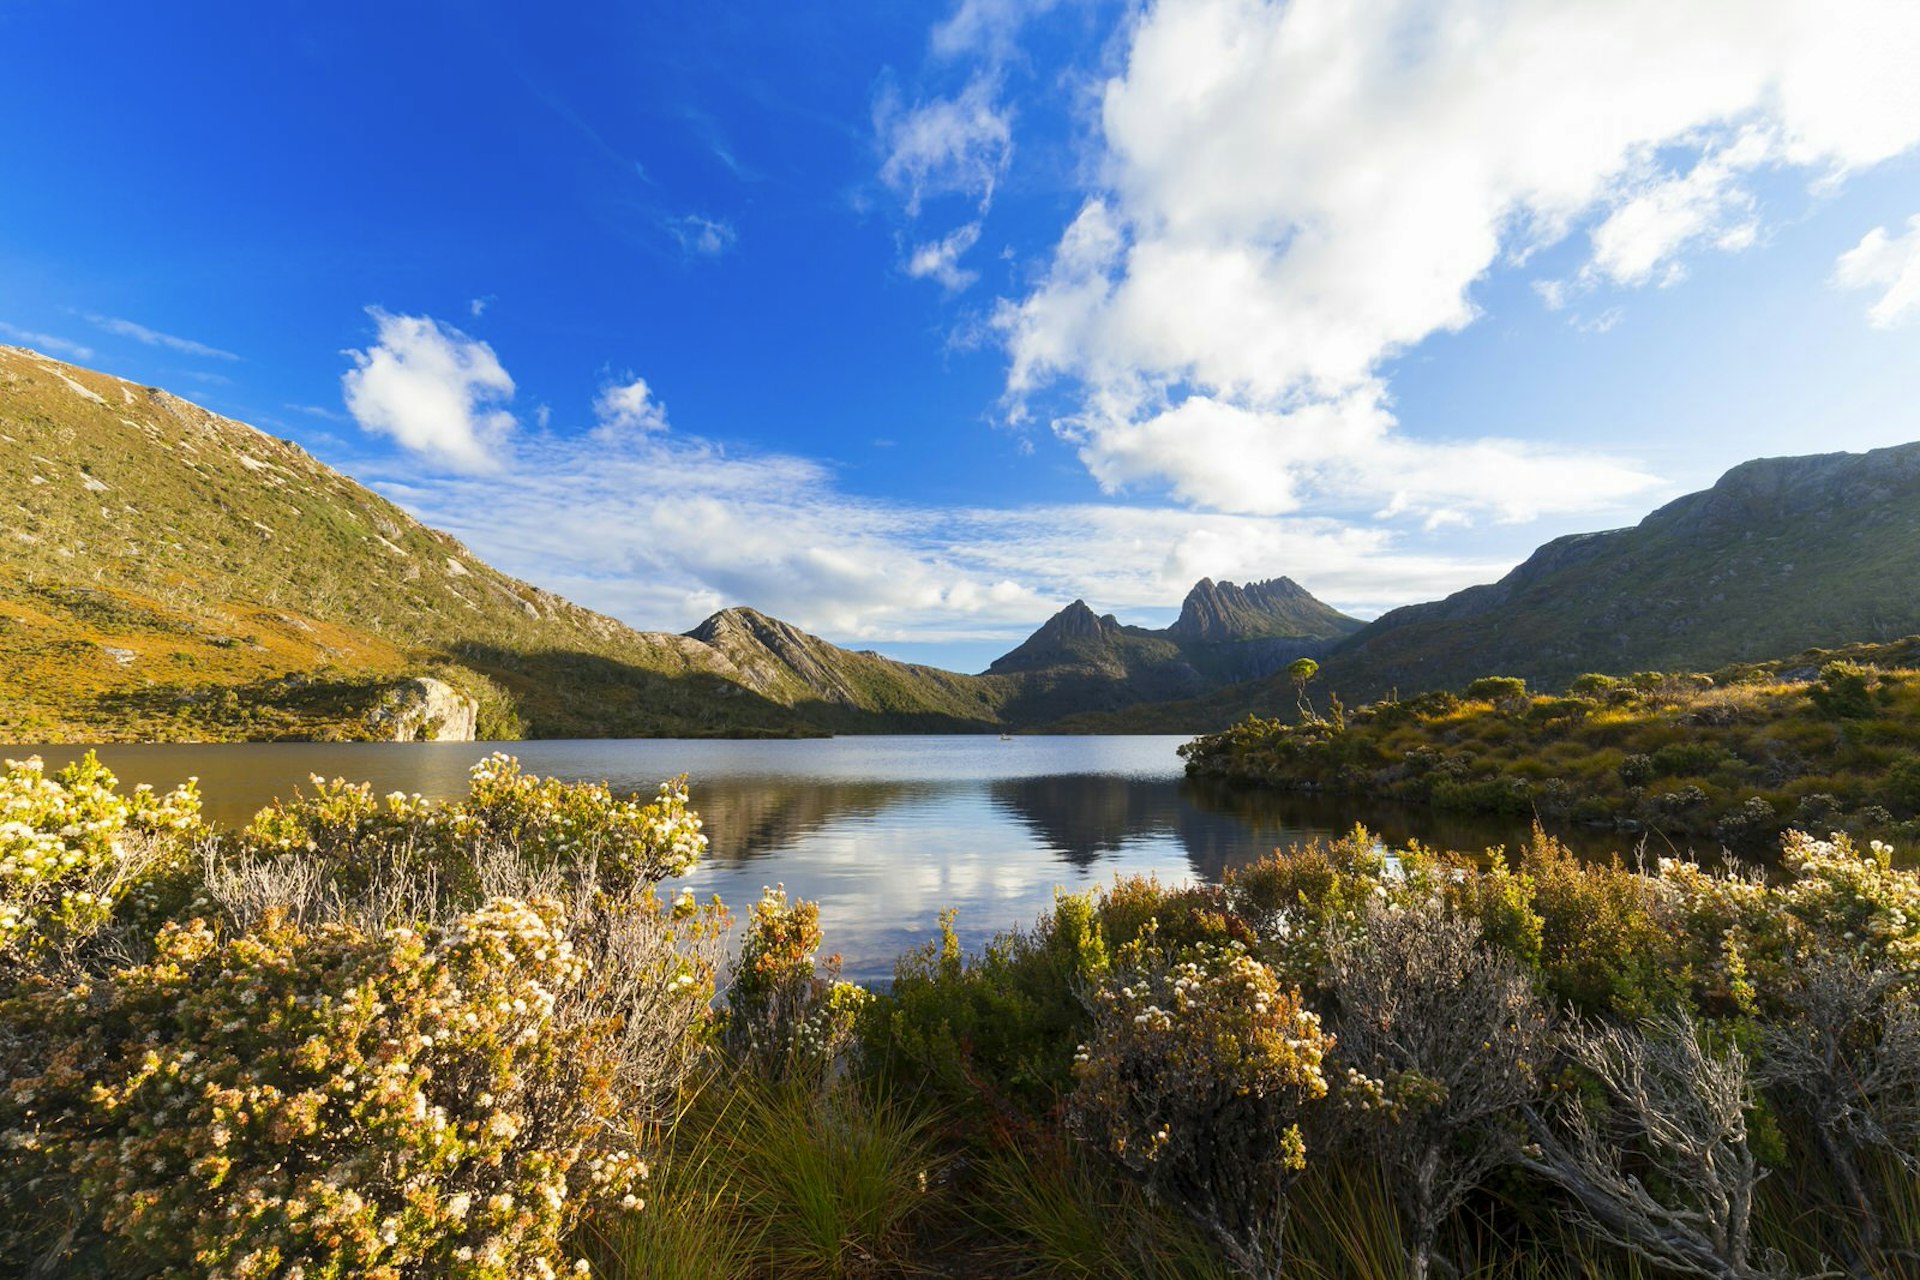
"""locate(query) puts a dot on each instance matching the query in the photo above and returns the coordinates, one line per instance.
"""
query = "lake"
(883, 832)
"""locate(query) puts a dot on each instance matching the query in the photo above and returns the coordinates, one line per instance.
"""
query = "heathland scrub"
(370, 1036)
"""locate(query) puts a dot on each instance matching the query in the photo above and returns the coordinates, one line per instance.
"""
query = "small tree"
(1302, 671)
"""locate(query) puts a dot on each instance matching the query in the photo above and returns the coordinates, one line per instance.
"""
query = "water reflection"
(883, 832)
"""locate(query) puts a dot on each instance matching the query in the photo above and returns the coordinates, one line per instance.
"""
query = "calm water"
(882, 831)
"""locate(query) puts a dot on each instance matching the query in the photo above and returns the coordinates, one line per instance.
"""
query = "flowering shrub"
(783, 1014)
(1853, 900)
(72, 848)
(1196, 1078)
(541, 823)
(330, 1102)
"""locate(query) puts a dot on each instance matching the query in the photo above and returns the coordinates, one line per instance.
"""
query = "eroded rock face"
(425, 710)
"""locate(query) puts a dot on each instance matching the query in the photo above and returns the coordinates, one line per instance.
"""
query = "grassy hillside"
(1781, 554)
(170, 573)
(1827, 740)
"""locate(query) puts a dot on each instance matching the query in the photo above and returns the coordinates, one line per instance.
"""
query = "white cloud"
(947, 146)
(47, 342)
(478, 306)
(940, 259)
(662, 530)
(1291, 195)
(702, 237)
(154, 338)
(1885, 262)
(986, 26)
(627, 408)
(433, 389)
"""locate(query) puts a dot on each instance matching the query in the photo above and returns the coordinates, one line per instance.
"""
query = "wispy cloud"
(154, 338)
(627, 408)
(701, 237)
(940, 259)
(1889, 263)
(47, 342)
(433, 389)
(662, 529)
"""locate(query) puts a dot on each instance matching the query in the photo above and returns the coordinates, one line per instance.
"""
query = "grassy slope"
(158, 557)
(1781, 554)
(1684, 756)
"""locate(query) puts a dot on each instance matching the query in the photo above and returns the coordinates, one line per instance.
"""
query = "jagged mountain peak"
(1225, 611)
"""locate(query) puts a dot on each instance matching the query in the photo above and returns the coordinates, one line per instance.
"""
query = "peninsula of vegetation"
(1826, 740)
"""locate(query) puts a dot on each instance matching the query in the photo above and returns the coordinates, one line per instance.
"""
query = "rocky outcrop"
(425, 710)
(1216, 612)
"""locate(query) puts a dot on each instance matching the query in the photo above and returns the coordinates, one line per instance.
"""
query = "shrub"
(331, 1101)
(1593, 685)
(784, 1016)
(1297, 899)
(1496, 689)
(1196, 1079)
(1663, 1166)
(1441, 1036)
(73, 849)
(1686, 760)
(1000, 1027)
(1637, 770)
(1842, 691)
(537, 823)
(1902, 787)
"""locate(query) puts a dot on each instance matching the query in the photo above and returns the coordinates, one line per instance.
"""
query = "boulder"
(423, 709)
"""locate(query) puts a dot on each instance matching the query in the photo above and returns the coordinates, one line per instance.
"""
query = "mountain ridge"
(172, 573)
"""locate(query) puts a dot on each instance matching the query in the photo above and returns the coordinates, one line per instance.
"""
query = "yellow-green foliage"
(784, 1016)
(1737, 759)
(72, 847)
(343, 1072)
(544, 823)
(350, 1105)
(999, 1026)
(1196, 1075)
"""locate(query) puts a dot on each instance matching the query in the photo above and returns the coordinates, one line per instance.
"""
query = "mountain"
(1781, 555)
(166, 572)
(1279, 608)
(1079, 662)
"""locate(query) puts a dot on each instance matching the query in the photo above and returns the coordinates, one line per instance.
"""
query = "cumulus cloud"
(1891, 263)
(940, 259)
(154, 338)
(1291, 195)
(627, 408)
(433, 389)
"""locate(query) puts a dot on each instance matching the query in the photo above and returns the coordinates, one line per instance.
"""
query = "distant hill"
(169, 573)
(1782, 554)
(166, 572)
(1779, 556)
(1080, 662)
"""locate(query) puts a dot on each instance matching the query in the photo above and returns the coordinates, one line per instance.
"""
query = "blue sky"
(911, 323)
